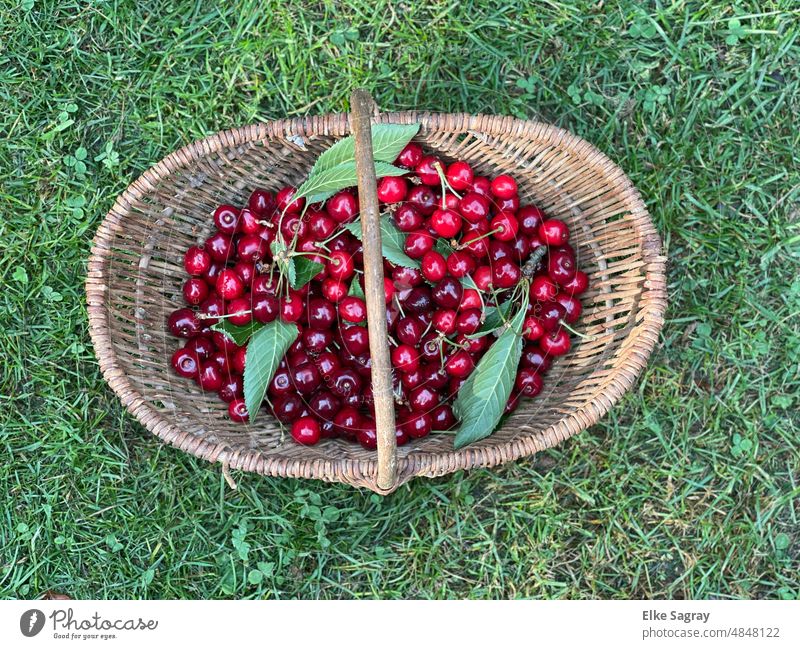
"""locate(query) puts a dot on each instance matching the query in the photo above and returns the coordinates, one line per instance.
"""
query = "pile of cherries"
(322, 388)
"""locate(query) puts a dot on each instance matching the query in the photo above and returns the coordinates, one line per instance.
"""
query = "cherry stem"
(588, 337)
(304, 253)
(445, 185)
(461, 246)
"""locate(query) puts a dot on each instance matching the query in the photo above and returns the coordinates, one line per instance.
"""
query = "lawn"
(689, 488)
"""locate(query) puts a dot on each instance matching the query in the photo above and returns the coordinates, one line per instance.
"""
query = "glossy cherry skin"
(226, 218)
(522, 248)
(229, 285)
(306, 431)
(388, 290)
(434, 375)
(223, 343)
(533, 328)
(407, 277)
(345, 382)
(203, 345)
(392, 189)
(430, 347)
(468, 321)
(442, 417)
(423, 399)
(528, 382)
(474, 207)
(418, 243)
(460, 364)
(460, 175)
(474, 345)
(224, 363)
(405, 358)
(219, 246)
(195, 291)
(249, 222)
(266, 307)
(447, 293)
(341, 265)
(184, 323)
(555, 343)
(239, 310)
(505, 273)
(481, 185)
(355, 339)
(264, 284)
(321, 313)
(291, 307)
(196, 261)
(411, 380)
(316, 341)
(334, 290)
(426, 170)
(409, 330)
(423, 199)
(286, 203)
(510, 205)
(210, 276)
(209, 377)
(535, 358)
(503, 186)
(543, 289)
(237, 410)
(577, 285)
(347, 421)
(367, 435)
(232, 388)
(444, 321)
(461, 263)
(418, 425)
(410, 156)
(561, 266)
(287, 407)
(186, 363)
(505, 226)
(446, 223)
(482, 277)
(572, 307)
(326, 363)
(529, 218)
(418, 300)
(324, 404)
(262, 203)
(550, 314)
(554, 232)
(408, 218)
(353, 309)
(471, 299)
(252, 248)
(305, 378)
(342, 207)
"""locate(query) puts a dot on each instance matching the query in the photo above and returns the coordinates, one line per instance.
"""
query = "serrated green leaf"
(392, 241)
(239, 334)
(388, 140)
(442, 247)
(483, 397)
(305, 270)
(494, 318)
(264, 354)
(355, 289)
(324, 184)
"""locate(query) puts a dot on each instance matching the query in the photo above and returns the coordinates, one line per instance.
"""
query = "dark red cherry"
(326, 363)
(316, 340)
(184, 323)
(410, 156)
(535, 358)
(503, 186)
(249, 222)
(409, 330)
(447, 293)
(265, 306)
(209, 377)
(407, 277)
(203, 345)
(405, 358)
(418, 300)
(239, 311)
(196, 261)
(229, 285)
(418, 243)
(408, 218)
(305, 378)
(551, 314)
(533, 328)
(392, 189)
(460, 175)
(529, 217)
(468, 321)
(342, 207)
(219, 246)
(561, 266)
(306, 431)
(427, 170)
(345, 382)
(226, 218)
(223, 343)
(460, 364)
(572, 307)
(347, 421)
(287, 407)
(474, 207)
(232, 388)
(528, 382)
(195, 291)
(555, 343)
(577, 285)
(423, 399)
(265, 284)
(505, 274)
(442, 417)
(444, 321)
(321, 313)
(423, 199)
(367, 435)
(286, 203)
(418, 425)
(321, 226)
(324, 404)
(334, 289)
(554, 232)
(355, 339)
(434, 376)
(252, 248)
(543, 289)
(291, 307)
(237, 410)
(262, 203)
(186, 363)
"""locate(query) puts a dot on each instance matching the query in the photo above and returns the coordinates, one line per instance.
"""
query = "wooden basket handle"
(362, 108)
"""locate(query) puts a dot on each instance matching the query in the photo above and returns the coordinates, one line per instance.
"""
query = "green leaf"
(392, 241)
(255, 576)
(264, 354)
(388, 140)
(483, 397)
(305, 270)
(321, 185)
(442, 247)
(493, 319)
(355, 289)
(239, 334)
(20, 275)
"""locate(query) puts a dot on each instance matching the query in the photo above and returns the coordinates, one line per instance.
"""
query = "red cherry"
(292, 225)
(320, 226)
(321, 314)
(238, 359)
(223, 343)
(342, 207)
(287, 408)
(239, 310)
(305, 378)
(210, 276)
(202, 345)
(468, 321)
(459, 175)
(334, 289)
(409, 330)
(186, 363)
(503, 186)
(577, 285)
(506, 226)
(471, 299)
(535, 358)
(212, 306)
(347, 421)
(555, 343)
(286, 203)
(408, 218)
(561, 266)
(461, 263)
(392, 189)
(418, 425)
(442, 417)
(543, 289)
(572, 307)
(407, 277)
(476, 244)
(423, 199)
(195, 291)
(529, 217)
(405, 358)
(445, 223)
(262, 203)
(423, 399)
(266, 307)
(237, 410)
(507, 204)
(247, 271)
(554, 232)
(219, 246)
(426, 170)
(252, 248)
(451, 201)
(184, 323)
(291, 307)
(388, 290)
(229, 285)
(345, 382)
(505, 274)
(341, 265)
(209, 377)
(410, 156)
(460, 364)
(232, 388)
(533, 328)
(316, 340)
(417, 243)
(444, 321)
(226, 218)
(249, 222)
(327, 363)
(448, 293)
(550, 314)
(483, 277)
(481, 185)
(355, 339)
(433, 266)
(367, 435)
(474, 207)
(353, 309)
(196, 261)
(528, 382)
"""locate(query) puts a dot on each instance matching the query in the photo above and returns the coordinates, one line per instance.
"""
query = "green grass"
(689, 488)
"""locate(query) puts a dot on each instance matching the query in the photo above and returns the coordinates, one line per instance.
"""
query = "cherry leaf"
(264, 353)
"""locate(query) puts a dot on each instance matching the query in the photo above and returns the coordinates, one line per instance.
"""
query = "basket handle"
(361, 109)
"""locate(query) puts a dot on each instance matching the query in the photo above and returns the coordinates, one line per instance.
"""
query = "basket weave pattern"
(136, 273)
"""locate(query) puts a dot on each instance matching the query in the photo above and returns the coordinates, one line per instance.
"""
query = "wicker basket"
(135, 277)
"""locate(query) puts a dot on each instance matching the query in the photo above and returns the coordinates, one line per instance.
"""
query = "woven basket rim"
(650, 309)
